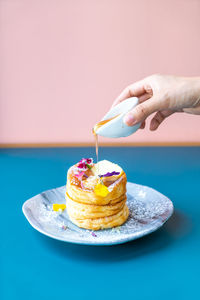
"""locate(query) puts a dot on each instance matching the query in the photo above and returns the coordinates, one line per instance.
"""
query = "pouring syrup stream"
(94, 130)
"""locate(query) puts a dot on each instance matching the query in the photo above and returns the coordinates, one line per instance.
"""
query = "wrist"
(191, 91)
(195, 91)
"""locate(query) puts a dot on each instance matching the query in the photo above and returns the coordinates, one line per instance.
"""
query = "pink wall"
(64, 61)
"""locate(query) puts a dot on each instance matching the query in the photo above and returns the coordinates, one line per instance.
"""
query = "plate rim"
(96, 243)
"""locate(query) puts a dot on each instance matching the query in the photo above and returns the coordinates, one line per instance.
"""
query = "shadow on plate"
(176, 227)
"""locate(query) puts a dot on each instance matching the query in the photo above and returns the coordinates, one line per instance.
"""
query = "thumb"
(140, 112)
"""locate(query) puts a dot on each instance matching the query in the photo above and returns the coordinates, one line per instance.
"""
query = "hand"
(164, 95)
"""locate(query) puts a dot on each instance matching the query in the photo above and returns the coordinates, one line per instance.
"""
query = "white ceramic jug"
(115, 127)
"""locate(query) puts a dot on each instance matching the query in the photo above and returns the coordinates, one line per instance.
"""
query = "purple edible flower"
(109, 174)
(93, 234)
(64, 227)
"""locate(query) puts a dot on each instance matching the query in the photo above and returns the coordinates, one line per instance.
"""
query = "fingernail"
(129, 120)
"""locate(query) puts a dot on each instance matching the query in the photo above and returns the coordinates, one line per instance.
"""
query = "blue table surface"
(162, 265)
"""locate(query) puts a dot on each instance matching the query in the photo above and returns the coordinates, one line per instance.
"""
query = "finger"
(134, 90)
(144, 97)
(143, 110)
(192, 110)
(159, 117)
(142, 126)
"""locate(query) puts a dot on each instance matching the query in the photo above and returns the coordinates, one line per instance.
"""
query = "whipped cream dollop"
(104, 167)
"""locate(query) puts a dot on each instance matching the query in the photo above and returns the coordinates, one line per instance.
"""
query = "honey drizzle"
(94, 130)
(97, 146)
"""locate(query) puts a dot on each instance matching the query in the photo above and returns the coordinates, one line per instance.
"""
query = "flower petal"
(109, 174)
(101, 190)
(56, 207)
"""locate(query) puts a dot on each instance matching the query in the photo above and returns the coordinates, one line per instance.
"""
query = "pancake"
(103, 223)
(89, 211)
(96, 194)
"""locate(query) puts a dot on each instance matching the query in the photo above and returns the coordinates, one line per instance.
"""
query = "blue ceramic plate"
(149, 210)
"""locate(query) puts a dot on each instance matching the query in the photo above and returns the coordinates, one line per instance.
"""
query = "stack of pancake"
(96, 195)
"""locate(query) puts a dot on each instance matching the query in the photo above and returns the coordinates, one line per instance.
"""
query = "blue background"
(163, 265)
